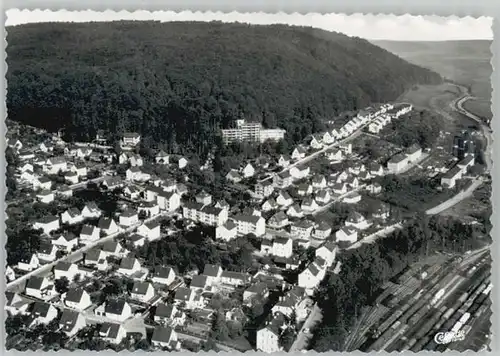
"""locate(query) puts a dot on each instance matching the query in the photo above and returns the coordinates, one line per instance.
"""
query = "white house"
(466, 163)
(357, 221)
(67, 270)
(47, 224)
(163, 275)
(117, 309)
(309, 205)
(71, 216)
(227, 231)
(96, 258)
(129, 217)
(312, 276)
(319, 182)
(352, 198)
(413, 153)
(268, 338)
(283, 161)
(129, 266)
(397, 163)
(136, 160)
(322, 231)
(283, 180)
(264, 189)
(182, 163)
(150, 230)
(142, 291)
(42, 313)
(165, 337)
(108, 226)
(256, 292)
(279, 246)
(327, 252)
(15, 304)
(234, 176)
(71, 322)
(91, 211)
(77, 298)
(250, 224)
(162, 158)
(449, 179)
(89, 234)
(29, 265)
(334, 155)
(295, 211)
(269, 204)
(135, 174)
(278, 220)
(47, 252)
(39, 287)
(302, 229)
(15, 144)
(169, 201)
(71, 177)
(169, 315)
(284, 199)
(189, 298)
(298, 153)
(130, 139)
(45, 196)
(347, 234)
(234, 278)
(323, 196)
(213, 273)
(248, 171)
(55, 164)
(304, 189)
(112, 333)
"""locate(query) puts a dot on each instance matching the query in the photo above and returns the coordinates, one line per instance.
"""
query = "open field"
(480, 107)
(465, 62)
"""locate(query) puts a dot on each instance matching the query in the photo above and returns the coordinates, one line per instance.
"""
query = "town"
(108, 223)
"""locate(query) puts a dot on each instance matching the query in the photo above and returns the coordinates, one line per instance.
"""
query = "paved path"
(77, 254)
(455, 199)
(84, 184)
(301, 342)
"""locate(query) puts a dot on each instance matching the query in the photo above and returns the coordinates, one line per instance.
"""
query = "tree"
(220, 330)
(287, 338)
(61, 285)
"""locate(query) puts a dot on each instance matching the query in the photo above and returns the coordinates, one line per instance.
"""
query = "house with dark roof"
(168, 314)
(213, 273)
(129, 266)
(108, 225)
(322, 231)
(77, 298)
(47, 252)
(165, 337)
(142, 291)
(89, 234)
(117, 309)
(129, 217)
(327, 252)
(269, 204)
(16, 304)
(71, 322)
(199, 283)
(347, 234)
(114, 248)
(227, 231)
(136, 240)
(91, 211)
(234, 278)
(295, 211)
(312, 276)
(258, 291)
(268, 338)
(42, 313)
(163, 275)
(48, 224)
(66, 269)
(250, 224)
(188, 298)
(96, 258)
(357, 221)
(112, 333)
(150, 230)
(278, 220)
(65, 242)
(302, 229)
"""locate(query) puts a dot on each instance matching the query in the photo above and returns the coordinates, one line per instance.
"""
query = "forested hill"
(178, 83)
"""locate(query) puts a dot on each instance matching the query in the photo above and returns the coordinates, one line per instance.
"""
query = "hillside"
(178, 83)
(466, 62)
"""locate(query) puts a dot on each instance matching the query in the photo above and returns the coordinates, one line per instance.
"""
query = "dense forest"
(178, 83)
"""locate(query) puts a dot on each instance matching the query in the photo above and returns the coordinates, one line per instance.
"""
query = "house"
(77, 298)
(48, 224)
(364, 176)
(449, 179)
(268, 339)
(302, 229)
(352, 198)
(315, 142)
(72, 216)
(42, 313)
(397, 163)
(10, 275)
(383, 212)
(340, 188)
(248, 171)
(129, 266)
(323, 196)
(25, 155)
(327, 252)
(136, 160)
(15, 144)
(181, 189)
(45, 196)
(71, 177)
(165, 337)
(46, 147)
(136, 240)
(150, 208)
(182, 162)
(203, 198)
(188, 298)
(375, 169)
(117, 309)
(130, 139)
(304, 189)
(213, 273)
(312, 276)
(413, 153)
(163, 275)
(374, 188)
(269, 205)
(264, 189)
(135, 174)
(309, 205)
(132, 192)
(113, 248)
(71, 322)
(112, 183)
(108, 226)
(291, 302)
(47, 252)
(234, 278)
(234, 176)
(299, 152)
(66, 270)
(283, 161)
(227, 231)
(142, 291)
(150, 230)
(299, 172)
(347, 234)
(199, 282)
(83, 152)
(38, 287)
(222, 204)
(162, 158)
(352, 182)
(169, 201)
(96, 258)
(334, 155)
(284, 199)
(89, 234)
(80, 169)
(279, 246)
(278, 220)
(91, 211)
(64, 191)
(169, 315)
(129, 217)
(258, 291)
(112, 333)
(357, 221)
(207, 214)
(283, 180)
(322, 231)
(30, 177)
(16, 304)
(346, 148)
(250, 224)
(295, 211)
(327, 139)
(319, 182)
(55, 165)
(29, 265)
(465, 163)
(26, 167)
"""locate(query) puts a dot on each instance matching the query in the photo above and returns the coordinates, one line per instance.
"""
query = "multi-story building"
(251, 131)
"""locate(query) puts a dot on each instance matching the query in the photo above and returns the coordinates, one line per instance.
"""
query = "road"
(84, 184)
(303, 337)
(78, 253)
(455, 199)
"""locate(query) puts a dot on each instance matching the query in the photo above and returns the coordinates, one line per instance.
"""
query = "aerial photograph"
(238, 182)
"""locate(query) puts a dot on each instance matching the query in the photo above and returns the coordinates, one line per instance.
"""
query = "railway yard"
(445, 293)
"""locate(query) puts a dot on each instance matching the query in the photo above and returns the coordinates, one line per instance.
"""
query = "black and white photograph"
(208, 181)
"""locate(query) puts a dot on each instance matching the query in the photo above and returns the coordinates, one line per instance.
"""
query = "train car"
(456, 328)
(420, 344)
(465, 318)
(448, 314)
